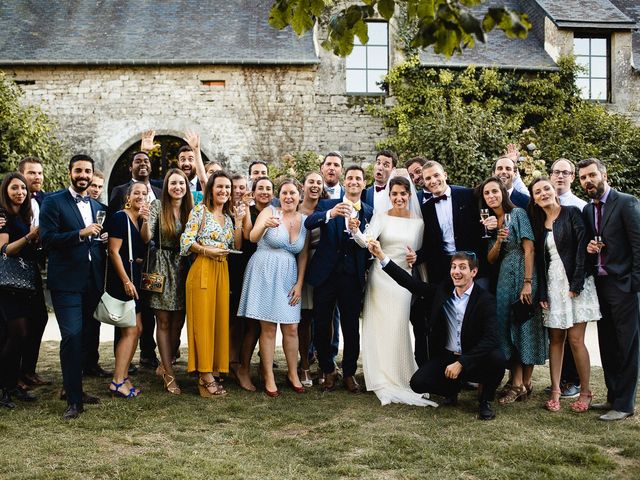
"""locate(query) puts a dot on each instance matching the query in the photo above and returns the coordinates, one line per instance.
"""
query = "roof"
(146, 32)
(590, 14)
(632, 9)
(499, 51)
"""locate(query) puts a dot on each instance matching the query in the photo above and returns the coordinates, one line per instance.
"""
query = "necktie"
(80, 198)
(598, 207)
(357, 206)
(379, 189)
(437, 199)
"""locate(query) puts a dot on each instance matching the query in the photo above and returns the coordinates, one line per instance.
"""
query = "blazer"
(467, 233)
(621, 235)
(479, 325)
(570, 240)
(39, 197)
(519, 199)
(69, 266)
(116, 200)
(327, 254)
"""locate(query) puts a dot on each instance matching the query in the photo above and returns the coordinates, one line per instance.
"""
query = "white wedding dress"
(387, 350)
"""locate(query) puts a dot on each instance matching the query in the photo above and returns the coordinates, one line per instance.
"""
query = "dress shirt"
(519, 185)
(35, 208)
(454, 310)
(603, 200)
(385, 261)
(378, 196)
(335, 193)
(84, 207)
(444, 212)
(568, 199)
(193, 184)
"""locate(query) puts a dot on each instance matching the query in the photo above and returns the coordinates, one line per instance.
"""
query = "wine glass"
(506, 222)
(278, 215)
(352, 214)
(368, 236)
(484, 214)
(598, 240)
(100, 217)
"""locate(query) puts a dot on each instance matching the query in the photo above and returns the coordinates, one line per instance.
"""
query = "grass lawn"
(316, 435)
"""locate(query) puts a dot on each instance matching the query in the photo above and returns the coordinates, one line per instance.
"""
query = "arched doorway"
(162, 159)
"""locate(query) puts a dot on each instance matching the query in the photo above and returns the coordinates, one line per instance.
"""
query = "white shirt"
(568, 199)
(454, 310)
(378, 196)
(336, 193)
(35, 208)
(193, 184)
(84, 207)
(444, 211)
(519, 185)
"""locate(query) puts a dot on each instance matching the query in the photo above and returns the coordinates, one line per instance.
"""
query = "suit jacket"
(519, 199)
(116, 200)
(39, 197)
(479, 325)
(467, 233)
(331, 241)
(620, 231)
(69, 267)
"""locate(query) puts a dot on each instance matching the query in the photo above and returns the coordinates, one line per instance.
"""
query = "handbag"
(522, 312)
(113, 311)
(17, 275)
(154, 281)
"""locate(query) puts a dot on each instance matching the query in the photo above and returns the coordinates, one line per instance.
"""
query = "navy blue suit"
(337, 273)
(519, 199)
(75, 278)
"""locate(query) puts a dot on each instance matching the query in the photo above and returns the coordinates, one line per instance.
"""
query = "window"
(367, 64)
(592, 53)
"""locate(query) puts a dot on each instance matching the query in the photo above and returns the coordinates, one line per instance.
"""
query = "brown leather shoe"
(330, 380)
(351, 384)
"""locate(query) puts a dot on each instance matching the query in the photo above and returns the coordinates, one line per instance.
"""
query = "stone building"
(108, 70)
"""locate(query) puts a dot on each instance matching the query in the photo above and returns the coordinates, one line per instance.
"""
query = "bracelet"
(527, 280)
(127, 282)
(27, 239)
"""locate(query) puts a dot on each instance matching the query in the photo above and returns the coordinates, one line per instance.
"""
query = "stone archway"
(162, 159)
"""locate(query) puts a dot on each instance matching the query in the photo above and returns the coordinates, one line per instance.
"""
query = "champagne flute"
(352, 214)
(278, 215)
(484, 214)
(598, 240)
(100, 217)
(506, 223)
(368, 236)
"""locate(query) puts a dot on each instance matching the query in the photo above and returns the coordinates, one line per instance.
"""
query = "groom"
(337, 273)
(461, 325)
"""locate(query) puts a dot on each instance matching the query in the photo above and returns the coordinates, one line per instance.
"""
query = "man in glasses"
(460, 318)
(563, 173)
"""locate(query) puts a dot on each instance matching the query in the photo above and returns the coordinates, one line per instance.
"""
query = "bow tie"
(330, 190)
(80, 198)
(357, 206)
(437, 199)
(379, 189)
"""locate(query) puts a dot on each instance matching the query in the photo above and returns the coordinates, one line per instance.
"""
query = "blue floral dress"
(526, 342)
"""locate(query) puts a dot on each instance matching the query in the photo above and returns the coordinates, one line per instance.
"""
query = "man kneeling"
(461, 325)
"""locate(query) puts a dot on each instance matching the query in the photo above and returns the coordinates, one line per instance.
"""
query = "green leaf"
(361, 30)
(386, 8)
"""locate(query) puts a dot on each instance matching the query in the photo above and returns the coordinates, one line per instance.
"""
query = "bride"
(387, 353)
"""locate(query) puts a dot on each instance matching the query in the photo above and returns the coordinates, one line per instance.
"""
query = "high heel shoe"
(553, 405)
(580, 406)
(515, 394)
(160, 371)
(305, 379)
(170, 384)
(274, 394)
(116, 391)
(294, 388)
(204, 386)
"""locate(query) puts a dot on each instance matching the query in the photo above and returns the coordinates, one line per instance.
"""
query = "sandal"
(580, 406)
(204, 386)
(305, 378)
(553, 405)
(116, 391)
(515, 394)
(170, 384)
(160, 371)
(136, 390)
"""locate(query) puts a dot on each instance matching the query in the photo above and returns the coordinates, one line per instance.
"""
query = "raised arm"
(193, 139)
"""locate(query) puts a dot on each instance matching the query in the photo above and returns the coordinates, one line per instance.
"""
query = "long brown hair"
(186, 204)
(507, 205)
(24, 211)
(208, 192)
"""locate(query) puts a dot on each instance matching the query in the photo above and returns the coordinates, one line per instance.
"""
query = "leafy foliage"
(449, 25)
(295, 166)
(26, 130)
(465, 119)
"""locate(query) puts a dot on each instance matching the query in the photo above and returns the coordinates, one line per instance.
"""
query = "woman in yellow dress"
(211, 231)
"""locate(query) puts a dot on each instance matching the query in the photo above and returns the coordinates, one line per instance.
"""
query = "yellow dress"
(207, 293)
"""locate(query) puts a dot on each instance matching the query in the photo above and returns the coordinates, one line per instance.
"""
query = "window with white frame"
(368, 64)
(592, 54)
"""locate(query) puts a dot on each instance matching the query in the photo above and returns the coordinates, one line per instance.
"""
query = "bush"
(465, 118)
(26, 130)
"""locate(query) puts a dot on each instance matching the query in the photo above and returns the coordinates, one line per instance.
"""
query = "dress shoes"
(150, 362)
(451, 401)
(330, 380)
(5, 399)
(485, 412)
(86, 398)
(96, 371)
(73, 411)
(23, 394)
(34, 380)
(133, 369)
(352, 385)
(614, 415)
(606, 406)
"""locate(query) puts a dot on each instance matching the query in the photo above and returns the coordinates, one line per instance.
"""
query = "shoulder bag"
(154, 281)
(17, 275)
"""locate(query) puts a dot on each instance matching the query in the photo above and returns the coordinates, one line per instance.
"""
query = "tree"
(26, 131)
(449, 25)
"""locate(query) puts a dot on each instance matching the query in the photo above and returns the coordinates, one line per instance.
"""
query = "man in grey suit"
(615, 261)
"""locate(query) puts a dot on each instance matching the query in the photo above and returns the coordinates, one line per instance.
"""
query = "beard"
(598, 192)
(75, 183)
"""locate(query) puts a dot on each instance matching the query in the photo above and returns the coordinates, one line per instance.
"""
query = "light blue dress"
(270, 275)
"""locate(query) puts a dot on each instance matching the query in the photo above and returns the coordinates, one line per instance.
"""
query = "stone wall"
(241, 112)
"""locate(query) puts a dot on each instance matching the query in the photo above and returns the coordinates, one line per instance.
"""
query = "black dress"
(17, 304)
(117, 228)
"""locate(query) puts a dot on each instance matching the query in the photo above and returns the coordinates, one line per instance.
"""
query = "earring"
(127, 205)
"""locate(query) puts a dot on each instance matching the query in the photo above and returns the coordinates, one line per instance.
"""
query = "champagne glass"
(598, 240)
(352, 214)
(278, 216)
(506, 222)
(484, 214)
(368, 236)
(100, 217)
